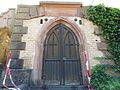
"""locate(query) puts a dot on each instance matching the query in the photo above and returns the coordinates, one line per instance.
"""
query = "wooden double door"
(61, 59)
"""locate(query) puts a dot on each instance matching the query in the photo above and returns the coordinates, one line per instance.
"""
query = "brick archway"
(37, 70)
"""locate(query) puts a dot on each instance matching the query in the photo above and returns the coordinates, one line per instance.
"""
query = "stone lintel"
(59, 3)
(60, 8)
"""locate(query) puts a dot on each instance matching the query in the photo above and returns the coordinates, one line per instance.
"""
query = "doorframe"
(39, 47)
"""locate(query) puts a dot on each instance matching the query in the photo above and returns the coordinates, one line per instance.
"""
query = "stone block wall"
(7, 18)
(34, 27)
(25, 26)
(30, 38)
(19, 75)
(18, 30)
(93, 41)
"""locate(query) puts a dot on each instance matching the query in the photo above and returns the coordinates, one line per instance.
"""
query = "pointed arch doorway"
(61, 58)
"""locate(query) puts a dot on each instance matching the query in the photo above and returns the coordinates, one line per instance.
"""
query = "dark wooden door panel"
(61, 57)
(71, 73)
(52, 72)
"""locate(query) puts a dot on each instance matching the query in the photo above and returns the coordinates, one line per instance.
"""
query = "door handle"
(64, 58)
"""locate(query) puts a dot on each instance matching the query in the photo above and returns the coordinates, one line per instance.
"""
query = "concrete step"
(81, 87)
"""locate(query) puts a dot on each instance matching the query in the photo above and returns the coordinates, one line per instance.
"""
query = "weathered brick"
(106, 53)
(101, 46)
(15, 54)
(34, 11)
(23, 10)
(19, 76)
(18, 22)
(16, 37)
(22, 16)
(97, 30)
(107, 62)
(19, 30)
(23, 6)
(17, 46)
(16, 64)
(102, 39)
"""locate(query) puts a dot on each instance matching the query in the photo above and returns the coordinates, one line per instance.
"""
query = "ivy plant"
(102, 81)
(108, 20)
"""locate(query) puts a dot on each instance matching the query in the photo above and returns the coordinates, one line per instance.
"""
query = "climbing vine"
(108, 20)
(102, 81)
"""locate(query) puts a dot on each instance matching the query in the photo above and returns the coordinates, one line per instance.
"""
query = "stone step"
(23, 87)
(82, 87)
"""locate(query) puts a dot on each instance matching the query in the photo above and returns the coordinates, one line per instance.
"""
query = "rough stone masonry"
(29, 25)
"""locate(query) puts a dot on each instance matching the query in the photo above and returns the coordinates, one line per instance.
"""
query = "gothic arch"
(37, 69)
